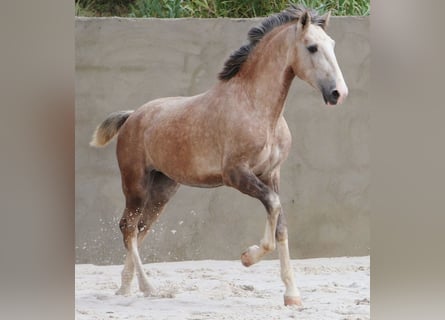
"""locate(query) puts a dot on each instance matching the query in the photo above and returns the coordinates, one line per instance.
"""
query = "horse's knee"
(281, 233)
(273, 203)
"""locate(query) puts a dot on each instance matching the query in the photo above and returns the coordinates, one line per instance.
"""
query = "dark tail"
(109, 128)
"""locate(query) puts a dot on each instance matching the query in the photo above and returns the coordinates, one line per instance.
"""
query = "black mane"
(238, 57)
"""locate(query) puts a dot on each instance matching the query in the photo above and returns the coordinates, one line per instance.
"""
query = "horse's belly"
(200, 171)
(207, 181)
(202, 179)
(190, 168)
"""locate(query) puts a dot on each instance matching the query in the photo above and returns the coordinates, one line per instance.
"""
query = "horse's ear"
(325, 19)
(304, 20)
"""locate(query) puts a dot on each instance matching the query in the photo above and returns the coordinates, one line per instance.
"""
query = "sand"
(331, 288)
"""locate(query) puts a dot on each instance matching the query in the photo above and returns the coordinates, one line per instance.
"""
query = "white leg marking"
(291, 295)
(127, 276)
(144, 284)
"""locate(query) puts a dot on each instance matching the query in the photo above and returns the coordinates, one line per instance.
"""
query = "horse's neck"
(268, 75)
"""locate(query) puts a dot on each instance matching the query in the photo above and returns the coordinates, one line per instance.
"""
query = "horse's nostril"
(335, 94)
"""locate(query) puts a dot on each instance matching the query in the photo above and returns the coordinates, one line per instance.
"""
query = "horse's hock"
(123, 63)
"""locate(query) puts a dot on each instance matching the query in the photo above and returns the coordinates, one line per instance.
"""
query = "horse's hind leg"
(161, 189)
(145, 203)
(134, 183)
(126, 276)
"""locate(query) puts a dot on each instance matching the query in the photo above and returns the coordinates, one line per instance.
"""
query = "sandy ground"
(331, 288)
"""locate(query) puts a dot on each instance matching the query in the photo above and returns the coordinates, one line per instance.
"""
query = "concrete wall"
(122, 63)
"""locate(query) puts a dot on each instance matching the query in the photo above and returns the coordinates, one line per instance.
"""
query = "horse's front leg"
(267, 244)
(292, 294)
(276, 229)
(242, 179)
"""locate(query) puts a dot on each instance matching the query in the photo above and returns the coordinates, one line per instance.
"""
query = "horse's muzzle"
(331, 98)
(333, 95)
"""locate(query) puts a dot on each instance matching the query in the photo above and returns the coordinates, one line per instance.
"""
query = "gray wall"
(122, 63)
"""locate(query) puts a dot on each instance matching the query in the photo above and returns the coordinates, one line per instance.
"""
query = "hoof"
(148, 292)
(292, 301)
(246, 259)
(248, 256)
(122, 292)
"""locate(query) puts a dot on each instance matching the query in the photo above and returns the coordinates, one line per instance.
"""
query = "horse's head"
(315, 60)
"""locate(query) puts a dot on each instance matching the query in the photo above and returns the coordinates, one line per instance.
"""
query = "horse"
(232, 135)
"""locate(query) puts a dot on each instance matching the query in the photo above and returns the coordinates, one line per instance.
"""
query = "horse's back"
(176, 136)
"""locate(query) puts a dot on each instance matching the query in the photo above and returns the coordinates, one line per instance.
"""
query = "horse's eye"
(313, 48)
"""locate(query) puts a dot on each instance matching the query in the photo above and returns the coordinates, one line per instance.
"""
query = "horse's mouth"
(329, 101)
